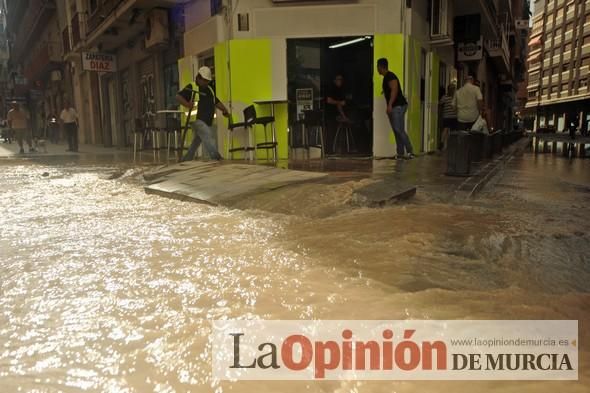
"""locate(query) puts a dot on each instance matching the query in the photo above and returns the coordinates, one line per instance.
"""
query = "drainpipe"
(229, 16)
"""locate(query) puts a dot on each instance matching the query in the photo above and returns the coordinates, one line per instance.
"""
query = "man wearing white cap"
(203, 130)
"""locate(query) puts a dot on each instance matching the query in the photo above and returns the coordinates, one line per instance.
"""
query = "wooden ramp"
(217, 183)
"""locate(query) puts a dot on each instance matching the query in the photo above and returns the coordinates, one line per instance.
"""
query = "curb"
(477, 182)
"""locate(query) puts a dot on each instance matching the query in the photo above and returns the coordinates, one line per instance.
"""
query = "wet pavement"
(106, 289)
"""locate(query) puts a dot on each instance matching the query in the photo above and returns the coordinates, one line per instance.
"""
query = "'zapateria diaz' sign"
(100, 62)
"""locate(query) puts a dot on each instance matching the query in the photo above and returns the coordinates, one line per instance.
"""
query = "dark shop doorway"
(340, 68)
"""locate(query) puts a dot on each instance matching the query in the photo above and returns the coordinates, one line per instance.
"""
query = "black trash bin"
(458, 155)
(477, 145)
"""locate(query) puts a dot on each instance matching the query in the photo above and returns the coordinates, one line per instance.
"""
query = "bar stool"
(231, 128)
(251, 120)
(154, 133)
(346, 128)
(172, 132)
(313, 121)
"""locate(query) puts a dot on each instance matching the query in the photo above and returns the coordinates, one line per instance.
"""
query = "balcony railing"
(500, 48)
(46, 55)
(66, 40)
(78, 29)
(101, 13)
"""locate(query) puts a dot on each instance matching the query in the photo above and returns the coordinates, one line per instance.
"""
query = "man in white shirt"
(468, 101)
(69, 120)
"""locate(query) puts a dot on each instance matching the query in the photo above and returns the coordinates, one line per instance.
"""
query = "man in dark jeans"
(69, 119)
(397, 105)
(203, 130)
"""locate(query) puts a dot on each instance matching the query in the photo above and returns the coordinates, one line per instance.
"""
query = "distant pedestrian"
(468, 101)
(397, 105)
(18, 122)
(6, 131)
(203, 129)
(449, 114)
(69, 120)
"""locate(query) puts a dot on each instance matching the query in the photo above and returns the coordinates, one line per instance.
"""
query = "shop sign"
(522, 24)
(468, 51)
(304, 99)
(98, 62)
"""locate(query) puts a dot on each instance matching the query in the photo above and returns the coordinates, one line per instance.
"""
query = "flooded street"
(104, 288)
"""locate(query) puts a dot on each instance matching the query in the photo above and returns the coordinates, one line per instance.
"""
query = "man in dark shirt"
(203, 129)
(396, 109)
(336, 99)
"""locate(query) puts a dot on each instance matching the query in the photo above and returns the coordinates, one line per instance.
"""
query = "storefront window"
(317, 68)
(171, 86)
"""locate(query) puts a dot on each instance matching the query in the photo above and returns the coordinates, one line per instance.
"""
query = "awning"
(535, 41)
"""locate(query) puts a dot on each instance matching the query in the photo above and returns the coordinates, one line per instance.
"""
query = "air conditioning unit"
(157, 34)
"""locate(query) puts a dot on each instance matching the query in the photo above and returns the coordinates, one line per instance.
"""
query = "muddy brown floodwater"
(106, 289)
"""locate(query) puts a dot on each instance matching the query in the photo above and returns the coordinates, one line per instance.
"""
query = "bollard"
(476, 145)
(458, 154)
(488, 146)
(497, 142)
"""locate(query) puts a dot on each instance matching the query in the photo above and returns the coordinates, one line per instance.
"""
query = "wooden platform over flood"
(216, 183)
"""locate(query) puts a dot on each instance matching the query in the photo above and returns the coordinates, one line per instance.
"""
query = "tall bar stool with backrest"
(344, 127)
(252, 121)
(231, 128)
(313, 122)
(172, 133)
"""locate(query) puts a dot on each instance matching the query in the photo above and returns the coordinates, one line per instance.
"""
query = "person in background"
(69, 121)
(18, 121)
(6, 131)
(337, 99)
(396, 109)
(203, 129)
(468, 102)
(449, 114)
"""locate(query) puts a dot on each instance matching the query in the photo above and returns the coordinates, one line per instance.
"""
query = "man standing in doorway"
(69, 119)
(397, 105)
(203, 129)
(468, 101)
(18, 121)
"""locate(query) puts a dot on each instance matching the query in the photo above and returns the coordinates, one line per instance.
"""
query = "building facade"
(268, 50)
(144, 40)
(35, 66)
(4, 57)
(559, 64)
(264, 50)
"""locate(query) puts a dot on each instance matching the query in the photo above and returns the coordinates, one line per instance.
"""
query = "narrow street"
(107, 289)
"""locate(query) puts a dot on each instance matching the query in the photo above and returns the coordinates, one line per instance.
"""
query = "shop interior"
(313, 64)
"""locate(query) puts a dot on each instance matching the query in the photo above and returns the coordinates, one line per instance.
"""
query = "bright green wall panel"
(390, 46)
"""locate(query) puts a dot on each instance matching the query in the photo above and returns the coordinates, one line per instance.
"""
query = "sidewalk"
(86, 153)
(373, 182)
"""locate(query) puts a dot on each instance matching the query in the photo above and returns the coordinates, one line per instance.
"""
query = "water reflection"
(104, 288)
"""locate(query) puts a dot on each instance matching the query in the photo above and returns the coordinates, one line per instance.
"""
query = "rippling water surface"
(106, 289)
